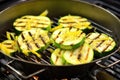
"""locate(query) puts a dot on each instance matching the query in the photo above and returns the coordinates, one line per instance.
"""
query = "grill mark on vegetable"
(79, 55)
(31, 36)
(77, 19)
(57, 35)
(80, 34)
(88, 35)
(42, 23)
(64, 40)
(18, 44)
(70, 28)
(61, 42)
(42, 39)
(100, 43)
(22, 36)
(87, 54)
(57, 57)
(28, 46)
(95, 38)
(71, 54)
(12, 38)
(107, 46)
(7, 43)
(78, 29)
(10, 47)
(37, 45)
(67, 22)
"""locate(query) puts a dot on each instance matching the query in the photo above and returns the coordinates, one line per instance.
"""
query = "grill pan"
(102, 19)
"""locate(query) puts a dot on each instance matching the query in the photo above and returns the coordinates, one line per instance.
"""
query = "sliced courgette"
(101, 43)
(33, 40)
(56, 57)
(83, 54)
(8, 47)
(74, 21)
(68, 38)
(29, 21)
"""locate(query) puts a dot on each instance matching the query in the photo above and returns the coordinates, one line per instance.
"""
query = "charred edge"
(95, 38)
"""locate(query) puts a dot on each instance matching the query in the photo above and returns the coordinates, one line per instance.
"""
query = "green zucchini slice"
(100, 42)
(83, 54)
(29, 21)
(56, 57)
(8, 47)
(68, 38)
(33, 40)
(74, 21)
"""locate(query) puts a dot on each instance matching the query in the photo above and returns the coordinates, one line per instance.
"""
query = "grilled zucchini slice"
(68, 38)
(74, 21)
(83, 54)
(29, 21)
(57, 58)
(101, 43)
(8, 47)
(33, 40)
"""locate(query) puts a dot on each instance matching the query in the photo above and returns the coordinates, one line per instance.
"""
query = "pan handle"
(110, 65)
(107, 66)
(5, 63)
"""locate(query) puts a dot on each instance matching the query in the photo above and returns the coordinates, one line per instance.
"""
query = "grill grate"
(46, 53)
(114, 70)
